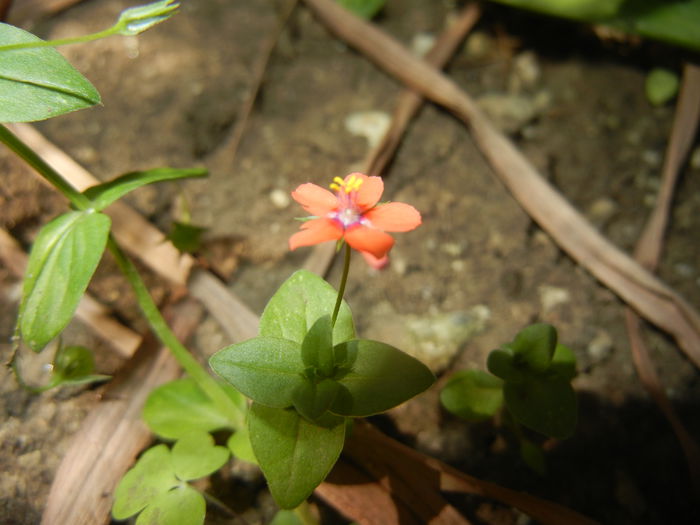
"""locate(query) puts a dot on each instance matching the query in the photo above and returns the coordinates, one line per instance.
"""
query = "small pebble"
(600, 347)
(552, 296)
(280, 198)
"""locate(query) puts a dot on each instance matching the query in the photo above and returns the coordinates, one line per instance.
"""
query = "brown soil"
(575, 106)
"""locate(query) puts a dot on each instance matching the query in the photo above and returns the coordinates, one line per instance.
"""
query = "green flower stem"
(204, 381)
(76, 198)
(343, 282)
(62, 41)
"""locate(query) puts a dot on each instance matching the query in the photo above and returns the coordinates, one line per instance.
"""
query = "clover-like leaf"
(102, 195)
(296, 306)
(179, 407)
(150, 477)
(239, 445)
(473, 395)
(38, 83)
(294, 454)
(62, 261)
(266, 369)
(376, 377)
(182, 505)
(194, 456)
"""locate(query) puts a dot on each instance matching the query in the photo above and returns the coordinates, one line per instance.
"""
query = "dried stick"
(573, 233)
(26, 11)
(408, 104)
(114, 432)
(648, 253)
(96, 316)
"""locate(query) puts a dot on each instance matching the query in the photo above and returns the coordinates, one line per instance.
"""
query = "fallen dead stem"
(407, 105)
(648, 254)
(24, 12)
(649, 296)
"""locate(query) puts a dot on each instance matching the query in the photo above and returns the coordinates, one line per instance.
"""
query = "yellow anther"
(352, 184)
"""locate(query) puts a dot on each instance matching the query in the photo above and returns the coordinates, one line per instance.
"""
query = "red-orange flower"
(352, 213)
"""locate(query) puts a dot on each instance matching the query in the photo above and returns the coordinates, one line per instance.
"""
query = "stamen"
(348, 186)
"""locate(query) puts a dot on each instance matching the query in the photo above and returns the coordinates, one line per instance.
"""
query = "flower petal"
(394, 217)
(375, 263)
(316, 231)
(365, 239)
(370, 191)
(315, 199)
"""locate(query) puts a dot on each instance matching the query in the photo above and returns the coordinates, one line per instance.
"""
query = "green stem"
(76, 198)
(204, 381)
(62, 41)
(343, 282)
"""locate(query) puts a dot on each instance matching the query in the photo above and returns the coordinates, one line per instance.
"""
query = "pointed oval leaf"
(500, 364)
(377, 377)
(151, 476)
(298, 303)
(179, 407)
(102, 195)
(534, 347)
(474, 395)
(545, 405)
(194, 456)
(239, 445)
(62, 261)
(38, 83)
(317, 347)
(563, 363)
(312, 400)
(294, 454)
(181, 506)
(265, 369)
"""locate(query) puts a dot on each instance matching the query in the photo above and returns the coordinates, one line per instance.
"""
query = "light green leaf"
(239, 445)
(286, 517)
(296, 306)
(312, 400)
(179, 407)
(194, 456)
(74, 365)
(38, 83)
(265, 369)
(545, 405)
(61, 264)
(661, 85)
(294, 455)
(473, 395)
(183, 505)
(102, 195)
(563, 363)
(376, 377)
(151, 477)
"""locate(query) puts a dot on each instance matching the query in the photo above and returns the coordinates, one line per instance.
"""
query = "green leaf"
(500, 364)
(239, 445)
(194, 456)
(151, 477)
(294, 454)
(296, 306)
(286, 517)
(377, 377)
(73, 365)
(312, 400)
(265, 369)
(179, 407)
(62, 261)
(661, 85)
(473, 395)
(366, 9)
(181, 506)
(533, 456)
(317, 347)
(563, 363)
(545, 405)
(534, 347)
(102, 195)
(38, 83)
(187, 238)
